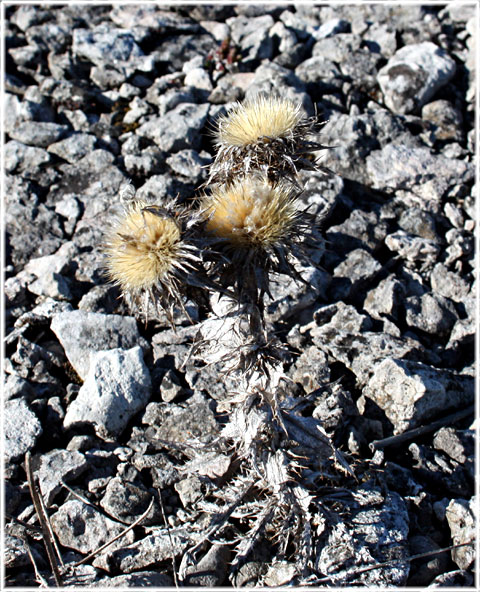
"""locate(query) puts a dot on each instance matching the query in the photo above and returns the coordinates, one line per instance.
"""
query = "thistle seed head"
(260, 117)
(147, 257)
(264, 133)
(251, 213)
(256, 228)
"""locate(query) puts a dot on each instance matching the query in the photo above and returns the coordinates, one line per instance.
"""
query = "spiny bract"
(260, 117)
(251, 212)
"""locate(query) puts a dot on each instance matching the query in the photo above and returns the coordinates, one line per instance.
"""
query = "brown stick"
(43, 519)
(411, 434)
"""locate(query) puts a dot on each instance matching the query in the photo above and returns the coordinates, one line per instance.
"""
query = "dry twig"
(44, 521)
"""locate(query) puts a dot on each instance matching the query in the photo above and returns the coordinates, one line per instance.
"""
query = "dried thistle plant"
(248, 226)
(149, 256)
(264, 133)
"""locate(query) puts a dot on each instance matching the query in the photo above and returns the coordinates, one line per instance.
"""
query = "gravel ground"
(120, 425)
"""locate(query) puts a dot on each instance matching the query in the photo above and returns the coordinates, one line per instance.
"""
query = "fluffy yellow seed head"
(262, 116)
(142, 249)
(251, 213)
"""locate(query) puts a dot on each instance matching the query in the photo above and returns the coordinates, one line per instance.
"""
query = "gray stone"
(353, 138)
(105, 45)
(375, 525)
(127, 501)
(449, 284)
(16, 387)
(178, 129)
(270, 78)
(80, 527)
(330, 28)
(334, 407)
(189, 490)
(38, 133)
(211, 570)
(343, 317)
(304, 25)
(170, 388)
(153, 17)
(137, 109)
(21, 429)
(252, 36)
(146, 164)
(117, 386)
(358, 268)
(179, 423)
(361, 67)
(454, 214)
(360, 230)
(283, 37)
(150, 550)
(75, 147)
(189, 164)
(49, 270)
(140, 579)
(52, 285)
(165, 94)
(385, 299)
(381, 38)
(69, 208)
(416, 169)
(361, 351)
(49, 36)
(156, 188)
(311, 369)
(416, 221)
(338, 47)
(199, 79)
(26, 16)
(57, 466)
(430, 313)
(411, 392)
(463, 333)
(446, 117)
(459, 578)
(15, 552)
(25, 56)
(83, 333)
(413, 75)
(56, 263)
(462, 516)
(320, 74)
(413, 248)
(20, 158)
(291, 296)
(458, 444)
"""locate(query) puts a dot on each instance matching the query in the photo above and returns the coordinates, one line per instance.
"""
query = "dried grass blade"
(44, 523)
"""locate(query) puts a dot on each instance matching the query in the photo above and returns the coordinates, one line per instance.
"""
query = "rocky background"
(381, 342)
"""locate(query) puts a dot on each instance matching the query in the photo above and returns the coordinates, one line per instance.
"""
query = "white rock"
(413, 75)
(21, 429)
(82, 333)
(117, 386)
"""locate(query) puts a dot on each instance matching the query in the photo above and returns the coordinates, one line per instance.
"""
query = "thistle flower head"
(258, 229)
(264, 133)
(146, 255)
(261, 117)
(251, 213)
